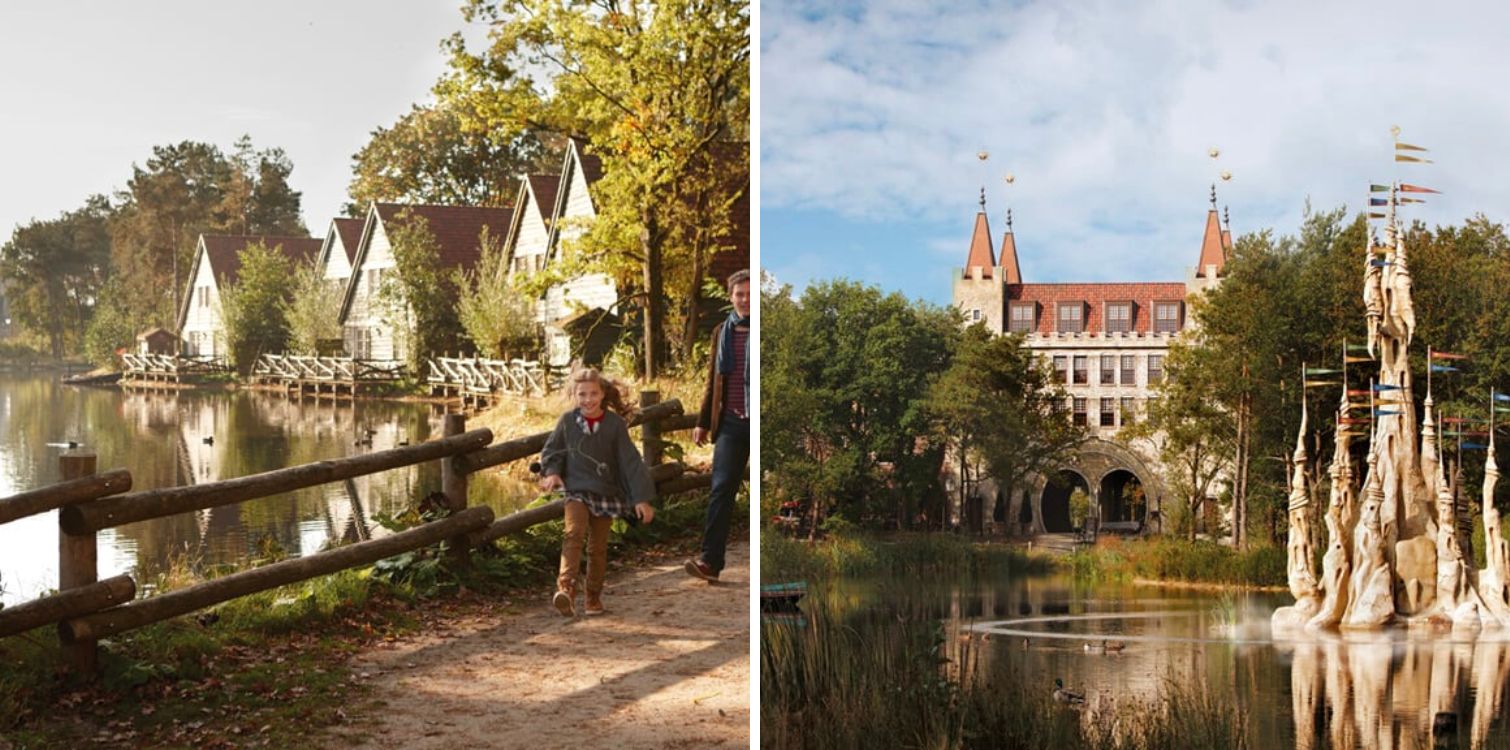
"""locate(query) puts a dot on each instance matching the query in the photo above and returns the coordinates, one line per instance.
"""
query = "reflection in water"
(1374, 690)
(167, 440)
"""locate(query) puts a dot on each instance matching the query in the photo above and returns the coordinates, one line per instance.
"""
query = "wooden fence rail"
(86, 610)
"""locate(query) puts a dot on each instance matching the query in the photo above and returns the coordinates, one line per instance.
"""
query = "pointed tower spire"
(1226, 230)
(1008, 254)
(980, 244)
(1213, 244)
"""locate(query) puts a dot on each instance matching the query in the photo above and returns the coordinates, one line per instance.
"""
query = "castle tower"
(1216, 243)
(979, 289)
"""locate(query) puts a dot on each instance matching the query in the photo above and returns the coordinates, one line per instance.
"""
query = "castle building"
(1106, 343)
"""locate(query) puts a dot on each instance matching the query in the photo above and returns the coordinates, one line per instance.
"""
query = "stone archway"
(1054, 501)
(1122, 497)
(1101, 465)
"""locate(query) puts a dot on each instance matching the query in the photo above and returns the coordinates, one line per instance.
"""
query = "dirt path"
(667, 667)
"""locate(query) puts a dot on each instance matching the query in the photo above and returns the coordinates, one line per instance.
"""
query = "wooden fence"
(86, 609)
(333, 376)
(478, 383)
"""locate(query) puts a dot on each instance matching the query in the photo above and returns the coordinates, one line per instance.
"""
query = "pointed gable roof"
(350, 233)
(223, 254)
(543, 188)
(455, 228)
(980, 248)
(1213, 246)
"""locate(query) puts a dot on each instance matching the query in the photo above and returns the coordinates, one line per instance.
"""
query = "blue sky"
(88, 89)
(1104, 112)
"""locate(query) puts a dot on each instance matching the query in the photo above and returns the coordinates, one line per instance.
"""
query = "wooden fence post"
(453, 481)
(650, 431)
(77, 562)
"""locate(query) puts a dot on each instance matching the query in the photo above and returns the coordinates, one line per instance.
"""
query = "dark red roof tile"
(1095, 296)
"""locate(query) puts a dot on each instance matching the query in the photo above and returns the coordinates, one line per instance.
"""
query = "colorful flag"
(1466, 433)
(1473, 446)
(1408, 147)
(1319, 383)
(1378, 188)
(1378, 201)
(1410, 200)
(1448, 355)
(1357, 348)
(1379, 263)
(1408, 188)
(1358, 393)
(1385, 387)
(1375, 215)
(1500, 396)
(1321, 371)
(1403, 157)
(1444, 368)
(1355, 360)
(1355, 420)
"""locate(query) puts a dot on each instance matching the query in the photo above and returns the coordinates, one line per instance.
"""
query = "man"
(725, 417)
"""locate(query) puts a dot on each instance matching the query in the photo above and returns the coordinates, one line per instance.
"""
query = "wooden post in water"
(77, 562)
(650, 432)
(453, 482)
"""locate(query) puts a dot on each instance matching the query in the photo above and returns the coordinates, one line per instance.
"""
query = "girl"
(590, 457)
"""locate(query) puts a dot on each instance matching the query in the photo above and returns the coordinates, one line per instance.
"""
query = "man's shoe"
(594, 605)
(699, 569)
(562, 600)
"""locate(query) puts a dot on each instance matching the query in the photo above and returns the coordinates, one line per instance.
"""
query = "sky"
(872, 116)
(87, 89)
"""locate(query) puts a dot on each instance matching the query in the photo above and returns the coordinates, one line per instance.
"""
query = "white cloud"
(1104, 112)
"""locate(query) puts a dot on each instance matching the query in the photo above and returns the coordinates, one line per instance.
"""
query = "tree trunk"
(650, 246)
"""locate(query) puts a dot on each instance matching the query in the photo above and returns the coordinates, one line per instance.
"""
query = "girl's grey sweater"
(605, 462)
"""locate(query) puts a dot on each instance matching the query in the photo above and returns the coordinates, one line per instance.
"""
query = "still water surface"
(167, 440)
(1372, 690)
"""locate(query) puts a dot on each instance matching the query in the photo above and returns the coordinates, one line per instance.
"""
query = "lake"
(194, 437)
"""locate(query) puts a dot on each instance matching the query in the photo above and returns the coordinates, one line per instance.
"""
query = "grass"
(895, 555)
(1171, 559)
(267, 670)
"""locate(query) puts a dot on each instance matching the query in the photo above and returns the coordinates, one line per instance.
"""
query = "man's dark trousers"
(731, 453)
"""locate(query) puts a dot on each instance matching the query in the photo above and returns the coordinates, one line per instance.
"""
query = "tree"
(252, 308)
(997, 404)
(418, 300)
(845, 376)
(1195, 436)
(184, 190)
(312, 309)
(53, 271)
(655, 89)
(497, 316)
(432, 155)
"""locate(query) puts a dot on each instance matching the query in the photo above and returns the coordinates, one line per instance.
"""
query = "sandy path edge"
(667, 667)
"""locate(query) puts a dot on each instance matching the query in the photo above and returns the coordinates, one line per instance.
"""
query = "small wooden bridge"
(167, 371)
(332, 376)
(87, 609)
(478, 383)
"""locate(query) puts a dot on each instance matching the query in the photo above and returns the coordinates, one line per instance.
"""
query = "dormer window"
(1022, 317)
(1166, 317)
(1071, 317)
(1119, 317)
